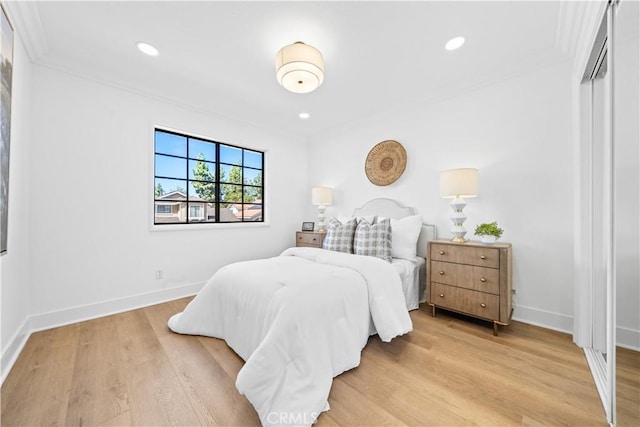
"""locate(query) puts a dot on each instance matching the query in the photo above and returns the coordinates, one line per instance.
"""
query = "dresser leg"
(433, 309)
(495, 329)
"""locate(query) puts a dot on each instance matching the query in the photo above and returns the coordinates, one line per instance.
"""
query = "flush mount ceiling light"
(299, 67)
(147, 48)
(304, 116)
(454, 43)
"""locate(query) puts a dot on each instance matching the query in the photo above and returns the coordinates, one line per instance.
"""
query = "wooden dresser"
(311, 239)
(472, 279)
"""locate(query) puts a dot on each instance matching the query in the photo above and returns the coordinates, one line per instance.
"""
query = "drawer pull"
(483, 305)
(441, 252)
(442, 273)
(482, 279)
(314, 239)
(483, 257)
(300, 238)
(441, 295)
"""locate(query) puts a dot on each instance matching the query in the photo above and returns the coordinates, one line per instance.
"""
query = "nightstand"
(472, 279)
(310, 239)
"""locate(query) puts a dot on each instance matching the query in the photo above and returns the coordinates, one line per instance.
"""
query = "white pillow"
(404, 236)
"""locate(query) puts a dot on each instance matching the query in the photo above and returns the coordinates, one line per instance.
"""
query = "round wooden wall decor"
(385, 162)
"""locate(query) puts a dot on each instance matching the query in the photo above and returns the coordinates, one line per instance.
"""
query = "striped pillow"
(373, 240)
(339, 236)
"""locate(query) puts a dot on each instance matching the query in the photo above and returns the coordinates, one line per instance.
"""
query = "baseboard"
(13, 350)
(543, 318)
(54, 319)
(625, 337)
(628, 338)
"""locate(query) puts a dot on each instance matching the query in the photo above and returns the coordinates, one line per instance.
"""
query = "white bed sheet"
(413, 277)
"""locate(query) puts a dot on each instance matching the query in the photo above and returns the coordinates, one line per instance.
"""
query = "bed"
(302, 318)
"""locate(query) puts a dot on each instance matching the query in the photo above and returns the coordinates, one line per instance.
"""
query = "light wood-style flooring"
(129, 369)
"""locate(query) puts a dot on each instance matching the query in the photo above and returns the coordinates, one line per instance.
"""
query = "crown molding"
(28, 27)
(575, 20)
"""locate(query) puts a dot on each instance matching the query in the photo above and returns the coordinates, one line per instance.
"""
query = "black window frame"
(218, 184)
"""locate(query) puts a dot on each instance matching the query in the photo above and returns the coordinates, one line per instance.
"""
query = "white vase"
(487, 239)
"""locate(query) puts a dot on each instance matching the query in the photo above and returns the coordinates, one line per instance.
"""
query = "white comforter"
(298, 320)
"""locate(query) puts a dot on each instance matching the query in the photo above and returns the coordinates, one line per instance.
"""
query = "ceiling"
(219, 57)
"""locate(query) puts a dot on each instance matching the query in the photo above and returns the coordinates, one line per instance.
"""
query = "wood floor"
(129, 369)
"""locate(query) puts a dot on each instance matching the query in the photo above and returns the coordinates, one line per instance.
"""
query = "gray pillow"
(373, 240)
(339, 236)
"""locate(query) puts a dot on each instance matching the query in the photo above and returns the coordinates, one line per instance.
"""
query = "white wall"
(518, 134)
(92, 250)
(14, 266)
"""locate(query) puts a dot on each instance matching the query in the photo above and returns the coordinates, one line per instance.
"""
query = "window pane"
(231, 193)
(170, 189)
(203, 150)
(252, 213)
(253, 159)
(252, 194)
(202, 191)
(231, 174)
(168, 143)
(196, 212)
(230, 155)
(210, 212)
(252, 176)
(170, 212)
(202, 171)
(171, 167)
(230, 212)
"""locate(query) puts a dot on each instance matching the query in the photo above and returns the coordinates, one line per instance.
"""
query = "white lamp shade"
(321, 196)
(459, 183)
(299, 67)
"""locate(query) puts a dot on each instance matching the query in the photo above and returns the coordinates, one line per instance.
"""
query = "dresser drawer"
(460, 254)
(483, 279)
(466, 301)
(309, 239)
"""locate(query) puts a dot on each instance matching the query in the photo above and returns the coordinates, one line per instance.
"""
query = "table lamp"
(456, 184)
(323, 197)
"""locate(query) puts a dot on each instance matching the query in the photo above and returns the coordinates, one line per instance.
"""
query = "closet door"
(597, 266)
(626, 134)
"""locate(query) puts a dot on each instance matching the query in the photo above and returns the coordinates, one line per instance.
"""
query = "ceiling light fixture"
(147, 48)
(454, 43)
(304, 115)
(300, 67)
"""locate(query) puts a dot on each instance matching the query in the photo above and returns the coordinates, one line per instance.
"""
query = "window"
(163, 209)
(197, 180)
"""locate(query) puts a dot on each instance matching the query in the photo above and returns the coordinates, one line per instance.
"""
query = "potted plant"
(488, 232)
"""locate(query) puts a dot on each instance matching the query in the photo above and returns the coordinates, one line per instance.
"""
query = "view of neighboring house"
(248, 211)
(172, 208)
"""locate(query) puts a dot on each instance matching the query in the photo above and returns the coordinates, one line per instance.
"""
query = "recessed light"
(147, 48)
(304, 116)
(454, 43)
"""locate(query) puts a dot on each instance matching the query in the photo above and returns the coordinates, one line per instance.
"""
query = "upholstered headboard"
(393, 209)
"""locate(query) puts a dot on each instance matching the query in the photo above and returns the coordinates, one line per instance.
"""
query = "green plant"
(490, 229)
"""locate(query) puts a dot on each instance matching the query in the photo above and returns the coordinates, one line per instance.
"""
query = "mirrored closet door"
(608, 273)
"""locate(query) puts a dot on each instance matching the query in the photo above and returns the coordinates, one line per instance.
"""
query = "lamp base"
(322, 227)
(457, 218)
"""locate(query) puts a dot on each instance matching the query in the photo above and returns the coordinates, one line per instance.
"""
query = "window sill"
(207, 226)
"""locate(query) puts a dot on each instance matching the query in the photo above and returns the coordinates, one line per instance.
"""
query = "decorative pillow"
(404, 236)
(339, 236)
(369, 218)
(373, 240)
